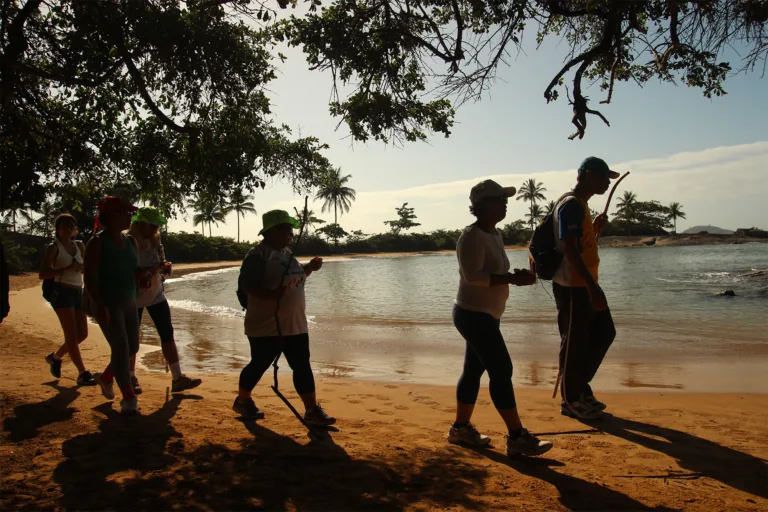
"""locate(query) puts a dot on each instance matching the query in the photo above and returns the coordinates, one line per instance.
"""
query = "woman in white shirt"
(484, 280)
(145, 226)
(63, 262)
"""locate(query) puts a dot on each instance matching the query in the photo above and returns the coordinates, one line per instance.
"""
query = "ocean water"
(390, 319)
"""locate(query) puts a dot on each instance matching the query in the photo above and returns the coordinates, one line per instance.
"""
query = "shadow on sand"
(703, 458)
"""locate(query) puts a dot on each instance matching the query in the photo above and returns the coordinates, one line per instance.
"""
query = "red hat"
(113, 204)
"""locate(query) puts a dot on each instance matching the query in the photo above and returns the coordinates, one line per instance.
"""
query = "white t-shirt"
(265, 268)
(480, 255)
(149, 256)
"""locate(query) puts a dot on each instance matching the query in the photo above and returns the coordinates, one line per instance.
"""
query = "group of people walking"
(271, 289)
(114, 278)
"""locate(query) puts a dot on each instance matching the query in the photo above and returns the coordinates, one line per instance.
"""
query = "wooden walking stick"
(608, 203)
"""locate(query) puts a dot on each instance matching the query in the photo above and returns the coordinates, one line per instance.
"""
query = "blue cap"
(593, 163)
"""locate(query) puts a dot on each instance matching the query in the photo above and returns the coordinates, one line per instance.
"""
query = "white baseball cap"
(489, 188)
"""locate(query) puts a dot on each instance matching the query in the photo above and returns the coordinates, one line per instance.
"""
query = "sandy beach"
(66, 447)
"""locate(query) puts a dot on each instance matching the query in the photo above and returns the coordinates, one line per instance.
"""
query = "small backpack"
(242, 295)
(543, 246)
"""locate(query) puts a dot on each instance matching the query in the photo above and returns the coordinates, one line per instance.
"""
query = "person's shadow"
(140, 444)
(575, 493)
(704, 458)
(27, 419)
(271, 471)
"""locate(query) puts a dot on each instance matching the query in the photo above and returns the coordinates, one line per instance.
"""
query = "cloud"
(723, 186)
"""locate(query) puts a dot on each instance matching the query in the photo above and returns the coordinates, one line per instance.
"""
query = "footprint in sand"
(401, 407)
(390, 386)
(354, 401)
(381, 413)
(424, 400)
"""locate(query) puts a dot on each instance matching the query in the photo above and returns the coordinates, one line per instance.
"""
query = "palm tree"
(535, 215)
(311, 220)
(532, 191)
(48, 212)
(16, 212)
(240, 204)
(550, 208)
(626, 209)
(209, 211)
(675, 212)
(336, 194)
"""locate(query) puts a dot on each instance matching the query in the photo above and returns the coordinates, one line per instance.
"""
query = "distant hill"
(709, 229)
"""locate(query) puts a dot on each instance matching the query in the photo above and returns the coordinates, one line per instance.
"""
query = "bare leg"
(71, 336)
(511, 419)
(81, 321)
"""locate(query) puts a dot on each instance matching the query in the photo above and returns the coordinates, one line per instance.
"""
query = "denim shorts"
(66, 297)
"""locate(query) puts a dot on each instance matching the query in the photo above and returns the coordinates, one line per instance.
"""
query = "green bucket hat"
(150, 215)
(275, 218)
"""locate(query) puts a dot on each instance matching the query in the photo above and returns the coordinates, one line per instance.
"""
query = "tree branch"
(141, 85)
(458, 53)
(17, 45)
(67, 80)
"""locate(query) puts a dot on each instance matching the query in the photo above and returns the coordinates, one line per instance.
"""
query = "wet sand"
(66, 447)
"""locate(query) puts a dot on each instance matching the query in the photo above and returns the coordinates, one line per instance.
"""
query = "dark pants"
(160, 314)
(122, 333)
(485, 350)
(585, 337)
(263, 352)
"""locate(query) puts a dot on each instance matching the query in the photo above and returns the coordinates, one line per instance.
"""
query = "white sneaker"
(129, 407)
(107, 388)
(527, 444)
(467, 434)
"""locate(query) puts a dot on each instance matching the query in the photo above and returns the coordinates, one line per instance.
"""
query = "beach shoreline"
(66, 447)
(28, 279)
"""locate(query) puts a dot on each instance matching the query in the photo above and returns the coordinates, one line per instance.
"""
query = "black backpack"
(543, 246)
(49, 288)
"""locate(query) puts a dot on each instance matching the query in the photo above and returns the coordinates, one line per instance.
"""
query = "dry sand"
(66, 447)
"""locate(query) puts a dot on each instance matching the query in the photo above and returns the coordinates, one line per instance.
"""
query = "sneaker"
(86, 379)
(580, 410)
(183, 383)
(55, 365)
(317, 416)
(135, 385)
(107, 388)
(467, 434)
(129, 407)
(527, 444)
(247, 409)
(593, 402)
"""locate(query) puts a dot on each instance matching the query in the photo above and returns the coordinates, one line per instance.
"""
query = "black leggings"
(263, 352)
(485, 350)
(161, 317)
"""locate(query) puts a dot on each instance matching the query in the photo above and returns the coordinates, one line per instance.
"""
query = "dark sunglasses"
(286, 228)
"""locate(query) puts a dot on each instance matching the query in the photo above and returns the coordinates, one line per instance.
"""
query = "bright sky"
(709, 155)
